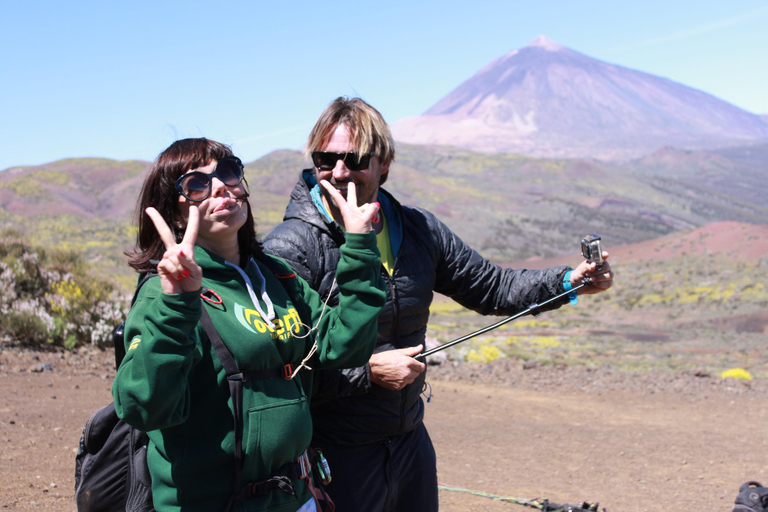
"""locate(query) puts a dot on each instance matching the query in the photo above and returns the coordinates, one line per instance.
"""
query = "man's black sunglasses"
(196, 185)
(326, 160)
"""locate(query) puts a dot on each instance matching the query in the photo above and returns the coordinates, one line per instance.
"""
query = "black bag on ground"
(752, 497)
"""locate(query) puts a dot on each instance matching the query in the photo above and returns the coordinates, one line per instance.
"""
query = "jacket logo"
(134, 342)
(252, 320)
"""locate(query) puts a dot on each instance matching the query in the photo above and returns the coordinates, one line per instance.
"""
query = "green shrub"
(49, 297)
(27, 325)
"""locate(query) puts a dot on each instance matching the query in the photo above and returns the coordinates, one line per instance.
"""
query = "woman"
(198, 232)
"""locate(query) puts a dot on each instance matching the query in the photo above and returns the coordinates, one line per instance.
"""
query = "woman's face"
(222, 213)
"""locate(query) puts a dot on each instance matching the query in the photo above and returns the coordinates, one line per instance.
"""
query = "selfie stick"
(532, 309)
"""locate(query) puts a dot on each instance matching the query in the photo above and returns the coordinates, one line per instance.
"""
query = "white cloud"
(695, 31)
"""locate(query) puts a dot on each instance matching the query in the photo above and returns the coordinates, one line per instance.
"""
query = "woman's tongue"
(225, 205)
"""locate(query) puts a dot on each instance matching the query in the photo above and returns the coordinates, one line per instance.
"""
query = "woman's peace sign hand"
(178, 270)
(357, 219)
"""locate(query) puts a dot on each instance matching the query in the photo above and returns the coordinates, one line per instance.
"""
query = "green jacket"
(172, 385)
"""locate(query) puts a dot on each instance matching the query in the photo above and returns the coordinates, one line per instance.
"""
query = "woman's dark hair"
(159, 192)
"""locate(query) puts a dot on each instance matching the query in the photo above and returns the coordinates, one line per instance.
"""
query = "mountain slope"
(507, 206)
(547, 100)
(81, 204)
(511, 207)
(86, 187)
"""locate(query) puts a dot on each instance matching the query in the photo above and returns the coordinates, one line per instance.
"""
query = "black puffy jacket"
(346, 408)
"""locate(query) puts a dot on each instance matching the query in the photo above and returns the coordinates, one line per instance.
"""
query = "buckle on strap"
(288, 371)
(282, 479)
(262, 488)
(306, 466)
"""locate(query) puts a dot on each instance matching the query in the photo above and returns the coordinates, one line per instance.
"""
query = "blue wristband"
(573, 297)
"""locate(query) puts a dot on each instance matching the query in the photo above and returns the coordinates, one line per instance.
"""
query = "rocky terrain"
(633, 442)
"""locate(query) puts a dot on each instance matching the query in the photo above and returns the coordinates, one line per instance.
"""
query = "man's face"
(366, 180)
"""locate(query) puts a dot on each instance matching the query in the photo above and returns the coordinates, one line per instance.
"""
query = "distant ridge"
(547, 100)
(507, 206)
(735, 241)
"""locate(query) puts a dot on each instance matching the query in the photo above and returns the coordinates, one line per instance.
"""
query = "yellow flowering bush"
(736, 373)
(48, 297)
(484, 354)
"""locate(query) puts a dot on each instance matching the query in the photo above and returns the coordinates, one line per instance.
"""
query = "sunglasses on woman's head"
(326, 160)
(196, 185)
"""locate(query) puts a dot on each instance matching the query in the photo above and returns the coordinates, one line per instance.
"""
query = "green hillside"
(509, 207)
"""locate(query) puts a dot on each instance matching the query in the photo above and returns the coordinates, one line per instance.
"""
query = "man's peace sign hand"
(178, 270)
(357, 219)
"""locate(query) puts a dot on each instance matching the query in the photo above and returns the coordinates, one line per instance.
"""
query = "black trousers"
(398, 475)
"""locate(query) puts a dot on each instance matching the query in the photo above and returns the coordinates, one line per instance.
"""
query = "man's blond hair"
(369, 131)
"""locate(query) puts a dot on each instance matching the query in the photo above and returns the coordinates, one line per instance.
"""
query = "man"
(368, 420)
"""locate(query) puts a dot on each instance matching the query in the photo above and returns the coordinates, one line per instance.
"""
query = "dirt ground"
(631, 443)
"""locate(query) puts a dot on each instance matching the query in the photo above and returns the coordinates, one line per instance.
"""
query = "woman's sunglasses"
(196, 185)
(326, 160)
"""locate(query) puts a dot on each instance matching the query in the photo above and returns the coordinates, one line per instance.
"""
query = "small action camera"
(592, 250)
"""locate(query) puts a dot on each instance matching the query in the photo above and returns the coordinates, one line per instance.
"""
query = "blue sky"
(124, 80)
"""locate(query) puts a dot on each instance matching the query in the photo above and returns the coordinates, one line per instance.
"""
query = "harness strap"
(235, 378)
(282, 479)
(235, 389)
(323, 502)
(284, 372)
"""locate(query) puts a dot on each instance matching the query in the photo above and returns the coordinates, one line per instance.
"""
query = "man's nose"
(340, 171)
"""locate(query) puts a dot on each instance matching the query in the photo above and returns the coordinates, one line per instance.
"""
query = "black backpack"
(752, 497)
(111, 471)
